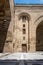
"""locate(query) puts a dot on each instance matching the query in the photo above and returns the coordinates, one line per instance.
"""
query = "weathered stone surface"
(33, 12)
(21, 34)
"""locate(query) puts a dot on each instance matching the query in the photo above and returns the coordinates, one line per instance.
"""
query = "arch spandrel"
(38, 21)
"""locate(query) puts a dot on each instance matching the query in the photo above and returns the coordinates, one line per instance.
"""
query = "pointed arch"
(24, 14)
(38, 27)
(38, 20)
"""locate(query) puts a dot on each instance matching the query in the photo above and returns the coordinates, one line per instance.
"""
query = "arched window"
(24, 16)
(24, 25)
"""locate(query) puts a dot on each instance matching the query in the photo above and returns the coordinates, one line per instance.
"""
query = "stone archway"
(39, 37)
(38, 27)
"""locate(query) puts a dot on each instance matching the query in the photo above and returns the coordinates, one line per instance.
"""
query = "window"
(24, 31)
(23, 18)
(23, 38)
(23, 25)
(24, 48)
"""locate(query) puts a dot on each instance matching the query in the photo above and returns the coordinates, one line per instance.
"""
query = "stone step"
(1, 16)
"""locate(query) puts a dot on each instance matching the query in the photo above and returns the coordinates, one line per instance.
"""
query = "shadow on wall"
(39, 37)
(5, 18)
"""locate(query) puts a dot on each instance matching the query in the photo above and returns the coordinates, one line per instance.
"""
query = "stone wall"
(34, 12)
(14, 38)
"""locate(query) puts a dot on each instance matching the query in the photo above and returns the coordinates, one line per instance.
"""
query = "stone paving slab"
(22, 56)
(3, 54)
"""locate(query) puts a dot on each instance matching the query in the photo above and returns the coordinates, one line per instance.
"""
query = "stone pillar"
(12, 15)
(33, 40)
(9, 45)
(32, 37)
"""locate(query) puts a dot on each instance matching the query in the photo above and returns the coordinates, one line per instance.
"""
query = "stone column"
(32, 37)
(33, 40)
(9, 47)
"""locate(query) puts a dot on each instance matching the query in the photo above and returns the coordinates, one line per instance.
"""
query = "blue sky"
(29, 1)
